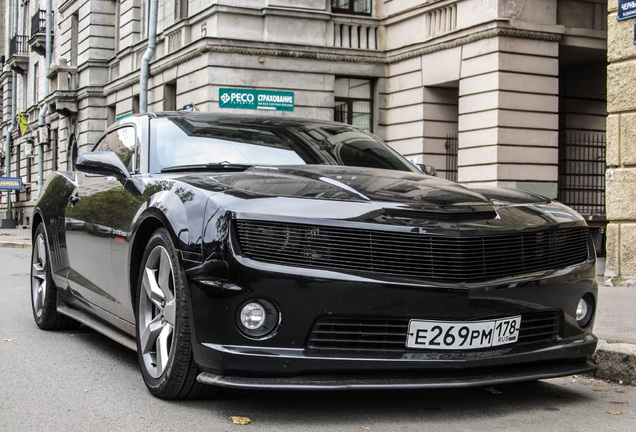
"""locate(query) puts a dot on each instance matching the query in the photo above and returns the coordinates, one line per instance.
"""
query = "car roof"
(253, 119)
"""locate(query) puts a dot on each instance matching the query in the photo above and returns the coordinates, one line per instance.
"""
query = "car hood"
(353, 184)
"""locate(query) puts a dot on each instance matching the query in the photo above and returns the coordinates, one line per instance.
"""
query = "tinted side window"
(121, 141)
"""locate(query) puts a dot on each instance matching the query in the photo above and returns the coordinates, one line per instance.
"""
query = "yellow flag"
(22, 123)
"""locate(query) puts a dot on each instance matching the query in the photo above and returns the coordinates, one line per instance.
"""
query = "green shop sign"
(256, 99)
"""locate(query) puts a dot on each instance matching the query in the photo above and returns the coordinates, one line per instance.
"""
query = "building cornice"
(474, 37)
(377, 58)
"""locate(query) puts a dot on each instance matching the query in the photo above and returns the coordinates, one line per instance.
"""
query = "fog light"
(584, 311)
(253, 316)
(258, 318)
(581, 310)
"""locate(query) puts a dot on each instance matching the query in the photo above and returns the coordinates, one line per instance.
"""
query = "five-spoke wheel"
(157, 311)
(43, 289)
(164, 344)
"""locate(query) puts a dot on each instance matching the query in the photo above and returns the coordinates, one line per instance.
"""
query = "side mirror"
(427, 169)
(105, 163)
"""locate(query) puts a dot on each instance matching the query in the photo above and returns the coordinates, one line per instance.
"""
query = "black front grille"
(412, 255)
(390, 335)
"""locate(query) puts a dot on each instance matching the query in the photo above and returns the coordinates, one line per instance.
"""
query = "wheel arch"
(36, 219)
(143, 233)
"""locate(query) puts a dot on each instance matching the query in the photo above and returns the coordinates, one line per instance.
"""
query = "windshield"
(189, 142)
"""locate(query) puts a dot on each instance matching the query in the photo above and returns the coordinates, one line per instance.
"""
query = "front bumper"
(285, 360)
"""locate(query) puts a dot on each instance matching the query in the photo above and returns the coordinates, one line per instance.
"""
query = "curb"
(616, 362)
(19, 245)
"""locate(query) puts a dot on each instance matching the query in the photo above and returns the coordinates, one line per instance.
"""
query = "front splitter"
(407, 380)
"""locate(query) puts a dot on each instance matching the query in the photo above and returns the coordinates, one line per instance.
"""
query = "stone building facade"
(621, 147)
(490, 92)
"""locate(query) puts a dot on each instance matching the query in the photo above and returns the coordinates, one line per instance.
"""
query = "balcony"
(18, 55)
(63, 83)
(38, 32)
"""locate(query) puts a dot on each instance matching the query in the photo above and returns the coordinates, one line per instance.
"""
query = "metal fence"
(582, 174)
(451, 146)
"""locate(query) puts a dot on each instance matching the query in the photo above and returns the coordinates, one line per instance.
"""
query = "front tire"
(164, 344)
(43, 289)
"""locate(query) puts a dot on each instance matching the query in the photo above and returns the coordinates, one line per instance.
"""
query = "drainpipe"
(7, 150)
(145, 61)
(45, 106)
(7, 154)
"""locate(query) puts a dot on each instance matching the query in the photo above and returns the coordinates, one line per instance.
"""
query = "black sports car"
(260, 252)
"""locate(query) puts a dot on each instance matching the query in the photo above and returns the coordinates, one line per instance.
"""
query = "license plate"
(462, 335)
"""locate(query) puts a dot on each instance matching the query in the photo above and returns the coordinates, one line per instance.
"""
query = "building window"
(180, 9)
(170, 96)
(71, 153)
(353, 7)
(354, 102)
(24, 101)
(135, 104)
(117, 24)
(54, 149)
(74, 38)
(111, 115)
(36, 84)
(18, 168)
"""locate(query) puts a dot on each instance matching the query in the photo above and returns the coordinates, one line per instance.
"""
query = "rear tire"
(43, 289)
(164, 344)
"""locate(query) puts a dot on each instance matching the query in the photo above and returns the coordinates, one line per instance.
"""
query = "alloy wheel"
(157, 311)
(39, 275)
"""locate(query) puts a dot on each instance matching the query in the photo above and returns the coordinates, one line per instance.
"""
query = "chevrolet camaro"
(284, 253)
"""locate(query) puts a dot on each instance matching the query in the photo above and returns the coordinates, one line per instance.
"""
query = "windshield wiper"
(222, 166)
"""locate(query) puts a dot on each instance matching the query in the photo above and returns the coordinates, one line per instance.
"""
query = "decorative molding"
(476, 37)
(124, 85)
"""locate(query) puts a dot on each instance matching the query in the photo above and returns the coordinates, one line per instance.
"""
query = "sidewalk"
(15, 238)
(615, 323)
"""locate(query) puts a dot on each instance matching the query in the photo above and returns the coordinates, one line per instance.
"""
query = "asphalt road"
(80, 381)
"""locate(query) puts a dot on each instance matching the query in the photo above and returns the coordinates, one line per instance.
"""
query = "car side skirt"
(107, 330)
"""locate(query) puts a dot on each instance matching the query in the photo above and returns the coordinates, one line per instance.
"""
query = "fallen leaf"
(9, 340)
(614, 412)
(240, 420)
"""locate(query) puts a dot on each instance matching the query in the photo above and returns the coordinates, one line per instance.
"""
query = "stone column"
(621, 148)
(508, 112)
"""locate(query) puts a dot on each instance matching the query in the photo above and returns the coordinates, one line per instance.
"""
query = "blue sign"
(626, 9)
(11, 183)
